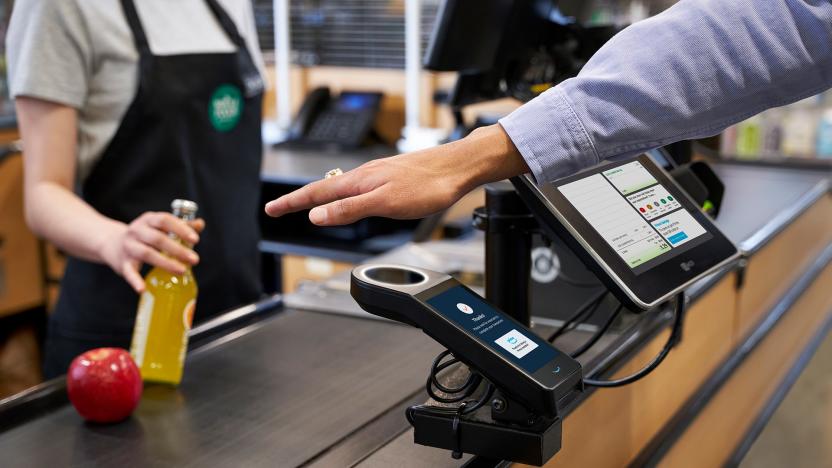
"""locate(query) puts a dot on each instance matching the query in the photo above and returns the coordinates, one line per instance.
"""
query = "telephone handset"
(345, 120)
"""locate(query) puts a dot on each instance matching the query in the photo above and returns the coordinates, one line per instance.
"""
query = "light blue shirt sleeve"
(689, 72)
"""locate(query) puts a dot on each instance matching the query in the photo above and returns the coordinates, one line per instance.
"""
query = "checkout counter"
(308, 379)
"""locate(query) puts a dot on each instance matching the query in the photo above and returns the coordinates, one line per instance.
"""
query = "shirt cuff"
(550, 136)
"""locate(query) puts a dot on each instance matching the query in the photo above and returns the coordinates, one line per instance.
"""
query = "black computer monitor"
(509, 47)
(467, 35)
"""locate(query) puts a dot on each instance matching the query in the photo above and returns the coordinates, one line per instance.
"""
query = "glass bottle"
(164, 316)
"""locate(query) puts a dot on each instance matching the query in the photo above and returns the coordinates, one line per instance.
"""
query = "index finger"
(198, 225)
(170, 223)
(315, 194)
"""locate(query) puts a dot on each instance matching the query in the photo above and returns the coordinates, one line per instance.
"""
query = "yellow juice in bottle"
(164, 317)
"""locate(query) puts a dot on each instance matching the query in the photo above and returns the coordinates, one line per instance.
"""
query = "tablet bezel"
(643, 290)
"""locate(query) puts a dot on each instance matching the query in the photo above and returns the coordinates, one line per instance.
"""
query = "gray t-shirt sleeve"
(49, 52)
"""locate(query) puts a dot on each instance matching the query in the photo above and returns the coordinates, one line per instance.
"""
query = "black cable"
(583, 313)
(469, 407)
(485, 398)
(598, 334)
(456, 394)
(584, 317)
(588, 308)
(576, 283)
(673, 340)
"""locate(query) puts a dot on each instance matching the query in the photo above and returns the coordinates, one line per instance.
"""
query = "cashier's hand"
(146, 240)
(407, 186)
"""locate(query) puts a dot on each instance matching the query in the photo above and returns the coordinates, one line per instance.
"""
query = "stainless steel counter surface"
(760, 201)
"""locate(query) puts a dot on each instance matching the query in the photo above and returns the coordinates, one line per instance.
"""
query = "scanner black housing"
(533, 445)
(520, 386)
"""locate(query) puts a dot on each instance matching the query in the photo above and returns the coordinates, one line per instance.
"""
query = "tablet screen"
(635, 214)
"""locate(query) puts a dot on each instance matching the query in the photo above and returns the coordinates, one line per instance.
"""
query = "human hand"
(146, 240)
(407, 186)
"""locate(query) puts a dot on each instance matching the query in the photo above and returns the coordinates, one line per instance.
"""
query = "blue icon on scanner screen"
(678, 237)
(511, 340)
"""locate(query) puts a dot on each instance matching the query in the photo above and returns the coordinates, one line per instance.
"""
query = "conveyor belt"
(403, 453)
(276, 393)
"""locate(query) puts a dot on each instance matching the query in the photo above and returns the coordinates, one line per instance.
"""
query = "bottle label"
(187, 321)
(142, 327)
(188, 315)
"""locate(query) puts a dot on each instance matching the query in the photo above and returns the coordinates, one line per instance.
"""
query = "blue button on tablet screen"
(678, 237)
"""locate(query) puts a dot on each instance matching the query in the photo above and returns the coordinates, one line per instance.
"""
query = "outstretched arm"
(689, 72)
(410, 185)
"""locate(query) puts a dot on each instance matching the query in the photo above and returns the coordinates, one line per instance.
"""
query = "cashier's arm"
(55, 212)
(410, 185)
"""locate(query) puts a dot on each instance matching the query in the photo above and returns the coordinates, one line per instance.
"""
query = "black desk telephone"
(345, 120)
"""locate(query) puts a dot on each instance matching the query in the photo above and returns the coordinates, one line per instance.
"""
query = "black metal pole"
(508, 226)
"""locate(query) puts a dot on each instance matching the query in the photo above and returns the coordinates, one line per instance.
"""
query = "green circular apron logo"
(225, 108)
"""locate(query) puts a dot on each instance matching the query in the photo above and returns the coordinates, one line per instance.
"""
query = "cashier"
(686, 73)
(124, 106)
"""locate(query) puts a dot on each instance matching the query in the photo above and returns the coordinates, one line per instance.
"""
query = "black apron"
(192, 131)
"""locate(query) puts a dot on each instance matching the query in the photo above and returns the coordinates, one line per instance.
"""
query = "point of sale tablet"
(633, 226)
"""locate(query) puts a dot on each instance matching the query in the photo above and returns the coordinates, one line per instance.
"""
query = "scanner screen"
(635, 214)
(493, 329)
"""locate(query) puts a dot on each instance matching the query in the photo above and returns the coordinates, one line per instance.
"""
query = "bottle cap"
(185, 209)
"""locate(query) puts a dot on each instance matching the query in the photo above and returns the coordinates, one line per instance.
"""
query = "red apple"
(104, 385)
